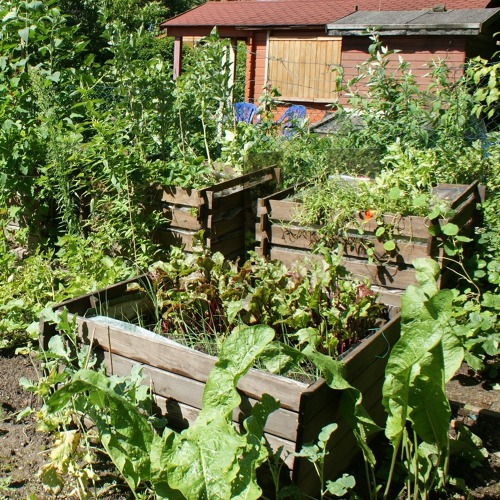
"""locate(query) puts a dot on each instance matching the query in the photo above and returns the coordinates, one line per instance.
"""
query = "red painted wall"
(416, 50)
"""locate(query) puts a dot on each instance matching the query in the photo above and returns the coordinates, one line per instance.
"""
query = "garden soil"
(23, 449)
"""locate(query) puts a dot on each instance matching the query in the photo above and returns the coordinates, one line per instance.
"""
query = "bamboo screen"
(301, 68)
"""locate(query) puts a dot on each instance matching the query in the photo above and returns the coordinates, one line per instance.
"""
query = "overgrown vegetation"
(90, 119)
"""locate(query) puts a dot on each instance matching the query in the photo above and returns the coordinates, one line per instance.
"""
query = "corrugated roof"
(466, 21)
(257, 13)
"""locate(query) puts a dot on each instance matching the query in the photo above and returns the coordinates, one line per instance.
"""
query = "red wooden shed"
(293, 44)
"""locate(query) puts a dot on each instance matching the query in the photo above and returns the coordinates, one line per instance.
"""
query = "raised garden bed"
(224, 211)
(177, 375)
(280, 237)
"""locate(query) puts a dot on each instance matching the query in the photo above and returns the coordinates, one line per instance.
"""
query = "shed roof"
(301, 13)
(416, 22)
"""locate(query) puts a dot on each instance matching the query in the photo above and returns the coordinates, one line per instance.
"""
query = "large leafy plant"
(210, 459)
(428, 354)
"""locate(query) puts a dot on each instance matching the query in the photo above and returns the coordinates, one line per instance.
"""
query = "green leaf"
(238, 352)
(420, 200)
(341, 486)
(35, 5)
(54, 77)
(491, 300)
(429, 408)
(58, 348)
(427, 272)
(450, 229)
(395, 193)
(245, 487)
(389, 245)
(434, 230)
(24, 34)
(434, 213)
(279, 358)
(453, 350)
(204, 460)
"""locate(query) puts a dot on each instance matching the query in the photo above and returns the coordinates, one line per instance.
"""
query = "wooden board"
(220, 211)
(280, 237)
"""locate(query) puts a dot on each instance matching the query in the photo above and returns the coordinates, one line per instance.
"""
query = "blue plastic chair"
(245, 111)
(292, 119)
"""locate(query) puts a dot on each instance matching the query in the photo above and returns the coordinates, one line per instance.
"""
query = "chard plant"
(428, 354)
(174, 464)
(203, 296)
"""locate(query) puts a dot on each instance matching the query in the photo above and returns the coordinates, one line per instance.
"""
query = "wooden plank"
(390, 276)
(231, 245)
(226, 202)
(466, 213)
(306, 239)
(229, 201)
(245, 181)
(160, 352)
(180, 415)
(232, 221)
(284, 210)
(179, 196)
(117, 292)
(281, 423)
(181, 217)
(167, 237)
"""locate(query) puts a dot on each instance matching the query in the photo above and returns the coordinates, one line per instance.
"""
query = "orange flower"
(369, 214)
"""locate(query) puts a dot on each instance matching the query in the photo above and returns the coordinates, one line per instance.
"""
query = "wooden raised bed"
(280, 237)
(177, 375)
(224, 211)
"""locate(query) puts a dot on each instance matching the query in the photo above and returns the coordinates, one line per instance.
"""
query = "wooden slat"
(388, 276)
(230, 245)
(116, 293)
(165, 354)
(232, 222)
(305, 239)
(181, 218)
(284, 210)
(281, 423)
(252, 179)
(168, 237)
(279, 208)
(179, 196)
